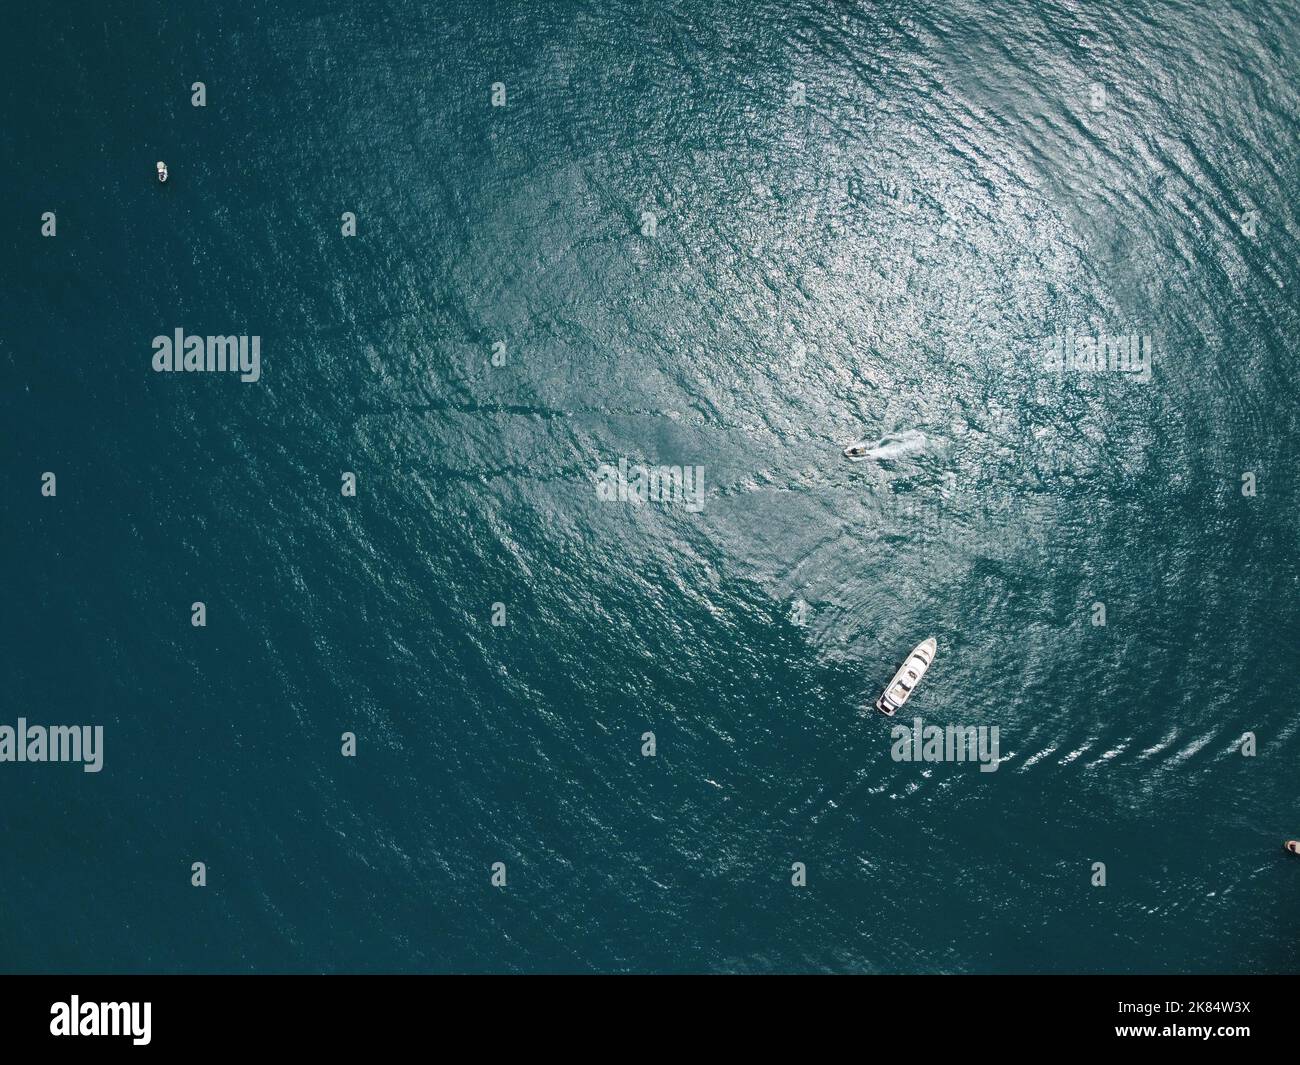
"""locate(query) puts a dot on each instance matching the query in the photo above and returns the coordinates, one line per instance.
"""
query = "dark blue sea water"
(869, 222)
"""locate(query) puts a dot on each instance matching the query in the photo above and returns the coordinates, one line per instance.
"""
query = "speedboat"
(907, 678)
(162, 170)
(891, 447)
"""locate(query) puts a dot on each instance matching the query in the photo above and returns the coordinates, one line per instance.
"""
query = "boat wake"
(890, 446)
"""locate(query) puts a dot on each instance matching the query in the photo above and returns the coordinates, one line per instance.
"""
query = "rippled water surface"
(869, 220)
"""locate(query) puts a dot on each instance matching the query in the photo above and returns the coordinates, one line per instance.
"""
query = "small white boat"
(162, 170)
(891, 447)
(907, 678)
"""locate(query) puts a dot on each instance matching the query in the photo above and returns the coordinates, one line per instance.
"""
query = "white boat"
(890, 448)
(907, 678)
(162, 170)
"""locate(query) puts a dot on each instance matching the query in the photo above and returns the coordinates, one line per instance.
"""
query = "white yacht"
(907, 678)
(162, 170)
